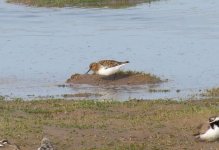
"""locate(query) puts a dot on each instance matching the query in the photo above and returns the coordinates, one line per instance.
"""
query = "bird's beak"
(88, 71)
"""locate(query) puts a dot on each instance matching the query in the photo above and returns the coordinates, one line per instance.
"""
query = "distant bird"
(209, 131)
(45, 144)
(106, 67)
(6, 145)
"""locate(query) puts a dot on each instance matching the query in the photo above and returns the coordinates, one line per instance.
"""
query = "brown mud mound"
(121, 78)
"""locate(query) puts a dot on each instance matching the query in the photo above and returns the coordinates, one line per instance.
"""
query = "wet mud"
(121, 78)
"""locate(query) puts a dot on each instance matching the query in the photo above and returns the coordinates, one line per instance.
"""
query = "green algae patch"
(81, 3)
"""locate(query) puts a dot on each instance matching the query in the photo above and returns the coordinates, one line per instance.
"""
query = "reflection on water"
(114, 3)
(42, 47)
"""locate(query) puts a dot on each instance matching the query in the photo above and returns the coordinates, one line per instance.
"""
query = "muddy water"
(174, 39)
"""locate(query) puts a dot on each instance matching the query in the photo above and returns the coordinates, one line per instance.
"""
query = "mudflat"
(135, 124)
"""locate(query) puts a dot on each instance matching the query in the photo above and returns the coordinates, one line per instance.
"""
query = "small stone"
(46, 144)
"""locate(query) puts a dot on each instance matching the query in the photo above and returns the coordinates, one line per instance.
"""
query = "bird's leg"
(114, 76)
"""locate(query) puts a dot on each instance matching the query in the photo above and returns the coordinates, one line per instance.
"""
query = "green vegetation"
(214, 92)
(129, 73)
(81, 3)
(135, 124)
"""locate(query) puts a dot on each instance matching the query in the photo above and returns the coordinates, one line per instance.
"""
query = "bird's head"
(94, 67)
(213, 119)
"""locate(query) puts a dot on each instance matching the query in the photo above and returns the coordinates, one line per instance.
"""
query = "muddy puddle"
(176, 40)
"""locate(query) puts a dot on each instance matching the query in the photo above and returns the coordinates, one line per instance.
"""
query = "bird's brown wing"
(109, 63)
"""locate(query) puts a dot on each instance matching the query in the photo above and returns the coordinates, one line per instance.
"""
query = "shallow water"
(174, 39)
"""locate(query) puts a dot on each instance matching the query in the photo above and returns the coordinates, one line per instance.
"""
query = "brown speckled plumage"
(111, 63)
(94, 66)
(104, 63)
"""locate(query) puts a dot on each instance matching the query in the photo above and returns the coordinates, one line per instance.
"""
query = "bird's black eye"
(217, 123)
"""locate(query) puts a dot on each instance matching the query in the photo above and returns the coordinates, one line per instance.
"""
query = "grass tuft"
(214, 92)
(81, 3)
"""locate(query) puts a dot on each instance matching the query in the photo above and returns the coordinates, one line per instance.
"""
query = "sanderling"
(106, 67)
(209, 131)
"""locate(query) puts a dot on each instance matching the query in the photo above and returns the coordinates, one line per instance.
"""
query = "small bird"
(45, 144)
(6, 145)
(209, 131)
(106, 67)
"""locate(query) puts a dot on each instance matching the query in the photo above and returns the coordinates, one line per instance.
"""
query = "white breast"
(109, 71)
(211, 134)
